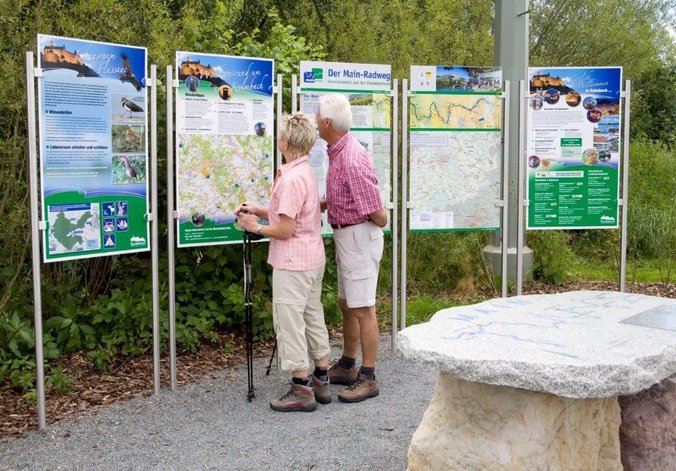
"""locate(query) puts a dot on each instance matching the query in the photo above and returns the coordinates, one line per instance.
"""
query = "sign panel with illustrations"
(573, 147)
(93, 148)
(224, 143)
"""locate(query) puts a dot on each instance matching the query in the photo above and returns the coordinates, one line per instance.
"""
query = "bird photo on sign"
(128, 169)
(128, 75)
(128, 138)
(129, 108)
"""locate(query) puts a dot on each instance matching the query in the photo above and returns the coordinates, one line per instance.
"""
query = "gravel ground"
(211, 425)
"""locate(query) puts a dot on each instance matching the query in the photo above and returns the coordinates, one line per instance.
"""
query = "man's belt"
(343, 226)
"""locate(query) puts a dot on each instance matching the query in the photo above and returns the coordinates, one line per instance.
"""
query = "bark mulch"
(127, 378)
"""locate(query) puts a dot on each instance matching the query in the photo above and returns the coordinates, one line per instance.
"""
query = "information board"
(573, 147)
(224, 143)
(93, 148)
(368, 87)
(455, 124)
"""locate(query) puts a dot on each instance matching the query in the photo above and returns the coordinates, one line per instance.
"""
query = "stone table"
(531, 382)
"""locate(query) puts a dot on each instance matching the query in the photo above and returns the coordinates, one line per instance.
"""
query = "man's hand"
(379, 218)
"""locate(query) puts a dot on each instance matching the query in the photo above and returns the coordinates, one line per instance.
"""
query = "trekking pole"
(274, 349)
(248, 309)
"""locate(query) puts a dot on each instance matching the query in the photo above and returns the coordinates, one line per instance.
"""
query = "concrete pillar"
(511, 53)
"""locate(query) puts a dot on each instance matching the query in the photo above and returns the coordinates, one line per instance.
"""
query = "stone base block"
(648, 431)
(480, 426)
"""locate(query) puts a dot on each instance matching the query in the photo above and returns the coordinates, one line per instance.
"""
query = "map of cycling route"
(381, 111)
(456, 185)
(216, 173)
(455, 111)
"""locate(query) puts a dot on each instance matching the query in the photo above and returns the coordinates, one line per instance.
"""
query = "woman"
(297, 258)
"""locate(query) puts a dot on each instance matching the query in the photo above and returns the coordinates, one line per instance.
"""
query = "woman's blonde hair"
(299, 132)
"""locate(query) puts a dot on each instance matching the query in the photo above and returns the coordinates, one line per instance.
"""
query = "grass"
(419, 308)
(652, 271)
(422, 308)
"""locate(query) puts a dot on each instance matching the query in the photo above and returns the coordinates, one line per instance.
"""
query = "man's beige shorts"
(359, 249)
(298, 317)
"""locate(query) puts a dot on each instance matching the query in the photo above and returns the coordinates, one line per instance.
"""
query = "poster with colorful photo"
(573, 147)
(93, 148)
(368, 88)
(224, 143)
(455, 155)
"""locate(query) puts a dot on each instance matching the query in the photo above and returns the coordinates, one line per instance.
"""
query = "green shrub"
(59, 379)
(440, 263)
(596, 244)
(553, 257)
(652, 200)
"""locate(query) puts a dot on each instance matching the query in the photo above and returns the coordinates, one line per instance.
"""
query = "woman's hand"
(249, 222)
(245, 207)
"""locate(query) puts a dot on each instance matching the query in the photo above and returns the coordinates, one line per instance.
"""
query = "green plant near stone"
(553, 257)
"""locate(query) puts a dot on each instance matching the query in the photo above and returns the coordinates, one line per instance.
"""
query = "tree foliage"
(654, 105)
(631, 34)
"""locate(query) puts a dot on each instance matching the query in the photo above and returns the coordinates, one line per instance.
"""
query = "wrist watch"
(259, 229)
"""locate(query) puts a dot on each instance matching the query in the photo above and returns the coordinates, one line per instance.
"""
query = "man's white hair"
(336, 107)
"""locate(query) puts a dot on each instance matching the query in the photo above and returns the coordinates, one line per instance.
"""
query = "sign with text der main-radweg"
(368, 88)
(93, 148)
(573, 147)
(224, 143)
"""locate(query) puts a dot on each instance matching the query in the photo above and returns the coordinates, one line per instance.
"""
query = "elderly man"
(357, 215)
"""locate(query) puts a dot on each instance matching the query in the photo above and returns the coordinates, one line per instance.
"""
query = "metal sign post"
(152, 217)
(625, 184)
(31, 74)
(504, 243)
(523, 97)
(394, 206)
(404, 194)
(172, 84)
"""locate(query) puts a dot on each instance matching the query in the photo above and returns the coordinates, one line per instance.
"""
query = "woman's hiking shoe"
(344, 376)
(321, 389)
(299, 398)
(361, 389)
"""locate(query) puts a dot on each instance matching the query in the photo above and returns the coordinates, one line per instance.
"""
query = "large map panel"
(224, 154)
(209, 187)
(455, 121)
(455, 180)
